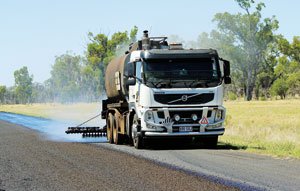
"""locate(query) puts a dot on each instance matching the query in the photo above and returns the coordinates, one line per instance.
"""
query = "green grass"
(266, 127)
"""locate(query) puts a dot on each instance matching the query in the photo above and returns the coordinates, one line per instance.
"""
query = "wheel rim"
(115, 131)
(135, 138)
(133, 134)
(109, 128)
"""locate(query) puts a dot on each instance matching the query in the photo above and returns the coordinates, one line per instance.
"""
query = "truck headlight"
(176, 117)
(149, 116)
(218, 115)
(194, 117)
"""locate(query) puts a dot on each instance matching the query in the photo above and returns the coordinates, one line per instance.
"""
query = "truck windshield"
(181, 73)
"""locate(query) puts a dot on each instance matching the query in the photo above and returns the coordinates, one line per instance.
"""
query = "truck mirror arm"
(132, 81)
(132, 76)
(137, 78)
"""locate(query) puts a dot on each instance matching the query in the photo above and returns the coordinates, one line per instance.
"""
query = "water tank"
(115, 81)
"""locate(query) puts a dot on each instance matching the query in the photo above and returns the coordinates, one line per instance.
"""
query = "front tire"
(138, 142)
(137, 138)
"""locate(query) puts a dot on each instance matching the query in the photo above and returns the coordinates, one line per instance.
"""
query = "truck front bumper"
(184, 134)
(168, 127)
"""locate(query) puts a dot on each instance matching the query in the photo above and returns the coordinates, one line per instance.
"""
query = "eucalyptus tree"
(2, 93)
(23, 85)
(101, 49)
(288, 68)
(247, 39)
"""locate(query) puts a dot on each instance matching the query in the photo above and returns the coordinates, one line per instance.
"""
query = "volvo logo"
(184, 98)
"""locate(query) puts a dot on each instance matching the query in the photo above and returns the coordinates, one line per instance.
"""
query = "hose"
(88, 120)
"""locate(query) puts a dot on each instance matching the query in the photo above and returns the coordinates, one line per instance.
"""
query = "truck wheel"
(137, 138)
(117, 137)
(138, 142)
(128, 137)
(109, 129)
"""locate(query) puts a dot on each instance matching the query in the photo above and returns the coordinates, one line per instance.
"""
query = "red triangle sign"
(204, 120)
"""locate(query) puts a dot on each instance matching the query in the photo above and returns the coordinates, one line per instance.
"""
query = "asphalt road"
(231, 167)
(30, 162)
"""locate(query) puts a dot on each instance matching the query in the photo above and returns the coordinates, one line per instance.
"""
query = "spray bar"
(87, 131)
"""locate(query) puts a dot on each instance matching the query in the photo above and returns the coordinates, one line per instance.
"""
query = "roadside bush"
(280, 87)
(231, 96)
(262, 98)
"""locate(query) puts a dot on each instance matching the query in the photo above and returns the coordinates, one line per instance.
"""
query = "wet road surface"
(225, 164)
(29, 162)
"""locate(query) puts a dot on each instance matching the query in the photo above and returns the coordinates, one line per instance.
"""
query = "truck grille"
(185, 116)
(179, 99)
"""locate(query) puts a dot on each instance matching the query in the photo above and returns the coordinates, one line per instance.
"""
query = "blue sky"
(33, 32)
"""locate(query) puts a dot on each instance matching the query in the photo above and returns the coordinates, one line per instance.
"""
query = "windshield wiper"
(206, 83)
(154, 83)
(166, 83)
(178, 81)
(195, 83)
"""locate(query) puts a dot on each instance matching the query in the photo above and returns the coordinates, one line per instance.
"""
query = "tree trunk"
(249, 85)
(249, 90)
(257, 92)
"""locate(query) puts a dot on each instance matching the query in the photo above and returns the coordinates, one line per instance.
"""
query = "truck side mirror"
(130, 70)
(226, 68)
(130, 74)
(227, 80)
(130, 81)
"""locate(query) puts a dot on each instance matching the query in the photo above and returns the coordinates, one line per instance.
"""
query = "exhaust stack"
(145, 40)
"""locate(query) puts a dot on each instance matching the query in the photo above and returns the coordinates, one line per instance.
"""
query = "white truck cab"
(158, 90)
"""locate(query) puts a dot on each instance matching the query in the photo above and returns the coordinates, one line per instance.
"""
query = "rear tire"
(117, 137)
(109, 129)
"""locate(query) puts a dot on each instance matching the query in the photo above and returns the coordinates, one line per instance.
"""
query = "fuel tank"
(115, 81)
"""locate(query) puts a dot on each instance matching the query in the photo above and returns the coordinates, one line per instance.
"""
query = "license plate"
(185, 129)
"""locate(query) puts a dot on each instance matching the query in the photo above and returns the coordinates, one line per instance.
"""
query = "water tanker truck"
(159, 90)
